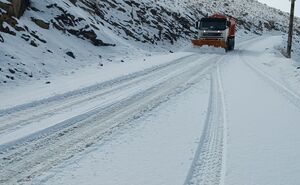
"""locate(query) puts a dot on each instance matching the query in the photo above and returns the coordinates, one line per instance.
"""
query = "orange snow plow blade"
(214, 43)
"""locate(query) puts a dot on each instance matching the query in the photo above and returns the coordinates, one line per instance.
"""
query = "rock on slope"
(54, 35)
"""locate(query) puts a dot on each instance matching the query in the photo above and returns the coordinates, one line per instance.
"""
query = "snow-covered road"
(200, 118)
(263, 121)
(44, 133)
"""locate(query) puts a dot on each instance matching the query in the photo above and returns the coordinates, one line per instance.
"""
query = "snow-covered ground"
(111, 92)
(263, 116)
(199, 116)
(156, 149)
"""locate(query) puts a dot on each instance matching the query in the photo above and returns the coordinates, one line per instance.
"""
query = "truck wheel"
(231, 43)
(228, 47)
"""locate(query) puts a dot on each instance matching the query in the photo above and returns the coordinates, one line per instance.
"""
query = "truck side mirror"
(197, 25)
(228, 24)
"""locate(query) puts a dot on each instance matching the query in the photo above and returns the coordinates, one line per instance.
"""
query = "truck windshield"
(213, 24)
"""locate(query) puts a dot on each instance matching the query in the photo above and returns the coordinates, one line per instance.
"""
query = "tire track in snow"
(87, 90)
(291, 96)
(14, 121)
(20, 162)
(78, 118)
(208, 165)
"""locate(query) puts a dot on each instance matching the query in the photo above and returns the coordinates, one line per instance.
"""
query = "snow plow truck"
(216, 31)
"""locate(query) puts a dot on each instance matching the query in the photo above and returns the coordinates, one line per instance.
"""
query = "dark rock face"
(5, 17)
(7, 30)
(41, 23)
(4, 6)
(15, 9)
(66, 22)
(73, 1)
(1, 39)
(146, 22)
(33, 44)
(270, 25)
(19, 7)
(12, 71)
(71, 54)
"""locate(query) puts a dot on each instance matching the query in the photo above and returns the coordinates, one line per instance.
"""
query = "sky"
(284, 5)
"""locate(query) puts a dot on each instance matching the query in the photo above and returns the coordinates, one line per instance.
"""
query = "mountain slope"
(56, 36)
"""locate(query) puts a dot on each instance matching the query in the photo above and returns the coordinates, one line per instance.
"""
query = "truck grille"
(209, 34)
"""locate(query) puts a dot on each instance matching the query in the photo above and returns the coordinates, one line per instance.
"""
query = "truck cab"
(216, 31)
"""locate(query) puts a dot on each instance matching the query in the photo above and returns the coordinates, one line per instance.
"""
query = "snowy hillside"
(59, 36)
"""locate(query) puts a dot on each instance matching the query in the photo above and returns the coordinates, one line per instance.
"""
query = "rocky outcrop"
(19, 7)
(41, 23)
(9, 20)
(73, 1)
(4, 6)
(15, 9)
(77, 26)
(1, 39)
(142, 21)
